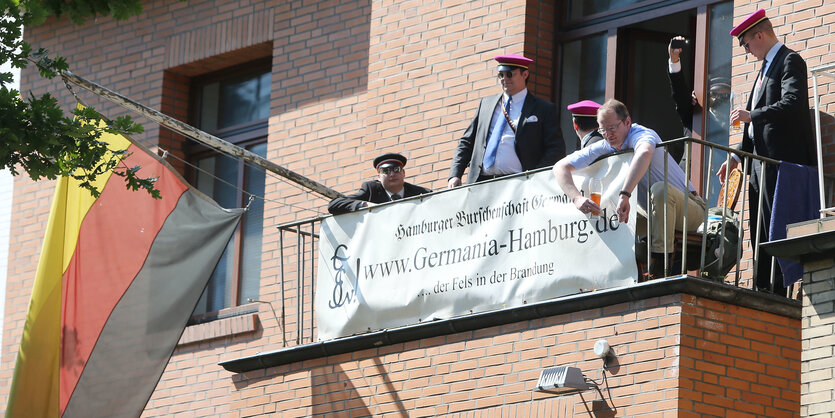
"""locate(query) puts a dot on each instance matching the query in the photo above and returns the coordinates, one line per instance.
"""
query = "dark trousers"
(763, 267)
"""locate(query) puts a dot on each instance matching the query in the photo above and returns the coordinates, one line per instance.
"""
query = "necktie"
(495, 137)
(758, 87)
(396, 197)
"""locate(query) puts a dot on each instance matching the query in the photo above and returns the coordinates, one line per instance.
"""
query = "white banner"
(473, 249)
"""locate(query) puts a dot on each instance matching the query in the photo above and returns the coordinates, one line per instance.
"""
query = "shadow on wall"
(356, 390)
(331, 389)
(325, 59)
(827, 122)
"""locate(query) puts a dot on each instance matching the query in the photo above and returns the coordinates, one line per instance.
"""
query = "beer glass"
(737, 102)
(595, 192)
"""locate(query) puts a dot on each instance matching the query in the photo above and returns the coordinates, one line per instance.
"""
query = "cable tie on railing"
(164, 153)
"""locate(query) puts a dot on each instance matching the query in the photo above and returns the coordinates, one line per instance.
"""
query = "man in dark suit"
(511, 132)
(584, 116)
(777, 122)
(389, 186)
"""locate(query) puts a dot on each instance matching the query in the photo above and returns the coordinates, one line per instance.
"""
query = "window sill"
(220, 328)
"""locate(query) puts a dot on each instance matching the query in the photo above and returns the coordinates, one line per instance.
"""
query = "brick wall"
(818, 369)
(351, 79)
(678, 355)
(737, 361)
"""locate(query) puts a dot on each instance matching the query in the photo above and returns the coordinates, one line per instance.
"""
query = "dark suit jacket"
(371, 191)
(682, 97)
(782, 125)
(538, 144)
(684, 107)
(782, 131)
(591, 138)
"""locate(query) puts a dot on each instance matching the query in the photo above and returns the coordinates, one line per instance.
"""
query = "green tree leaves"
(35, 134)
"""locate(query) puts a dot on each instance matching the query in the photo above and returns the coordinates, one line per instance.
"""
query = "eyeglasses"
(389, 170)
(610, 129)
(505, 74)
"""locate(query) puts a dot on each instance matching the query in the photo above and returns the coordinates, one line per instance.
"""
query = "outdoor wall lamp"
(567, 380)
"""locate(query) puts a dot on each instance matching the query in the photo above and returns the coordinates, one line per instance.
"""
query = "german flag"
(117, 280)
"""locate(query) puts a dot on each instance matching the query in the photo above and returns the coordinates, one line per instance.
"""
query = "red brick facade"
(676, 355)
(351, 79)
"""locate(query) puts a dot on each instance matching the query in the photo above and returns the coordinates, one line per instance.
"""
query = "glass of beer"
(737, 102)
(595, 192)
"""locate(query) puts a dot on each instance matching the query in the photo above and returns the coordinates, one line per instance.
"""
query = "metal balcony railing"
(298, 241)
(735, 217)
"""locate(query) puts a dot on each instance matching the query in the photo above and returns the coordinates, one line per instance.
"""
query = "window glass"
(577, 9)
(717, 99)
(234, 101)
(583, 78)
(216, 178)
(252, 228)
(238, 107)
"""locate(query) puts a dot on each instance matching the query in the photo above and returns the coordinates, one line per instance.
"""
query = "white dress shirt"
(507, 162)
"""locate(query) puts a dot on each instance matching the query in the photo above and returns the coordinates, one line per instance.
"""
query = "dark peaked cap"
(389, 159)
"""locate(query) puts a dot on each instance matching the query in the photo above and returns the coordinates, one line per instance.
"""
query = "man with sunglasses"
(776, 121)
(389, 186)
(621, 134)
(511, 132)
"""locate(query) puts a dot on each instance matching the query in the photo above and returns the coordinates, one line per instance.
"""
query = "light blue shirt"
(638, 134)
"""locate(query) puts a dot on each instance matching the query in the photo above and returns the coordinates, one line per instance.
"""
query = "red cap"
(584, 108)
(511, 61)
(748, 23)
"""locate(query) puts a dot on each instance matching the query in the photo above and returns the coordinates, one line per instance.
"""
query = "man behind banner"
(389, 186)
(511, 132)
(621, 134)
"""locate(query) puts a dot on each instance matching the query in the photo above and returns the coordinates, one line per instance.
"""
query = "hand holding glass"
(737, 102)
(595, 192)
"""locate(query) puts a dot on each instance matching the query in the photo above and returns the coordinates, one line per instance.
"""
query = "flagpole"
(200, 136)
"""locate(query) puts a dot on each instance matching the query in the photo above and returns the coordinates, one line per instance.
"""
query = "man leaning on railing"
(621, 134)
(389, 186)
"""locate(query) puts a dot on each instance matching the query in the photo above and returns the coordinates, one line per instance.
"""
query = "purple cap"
(748, 23)
(510, 62)
(584, 108)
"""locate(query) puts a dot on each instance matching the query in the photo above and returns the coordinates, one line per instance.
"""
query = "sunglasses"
(505, 74)
(745, 45)
(389, 170)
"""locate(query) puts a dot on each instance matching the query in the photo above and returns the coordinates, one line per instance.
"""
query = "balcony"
(704, 265)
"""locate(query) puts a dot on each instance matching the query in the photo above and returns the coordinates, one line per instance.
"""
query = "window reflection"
(717, 99)
(215, 178)
(252, 226)
(221, 173)
(583, 78)
(577, 9)
(234, 101)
